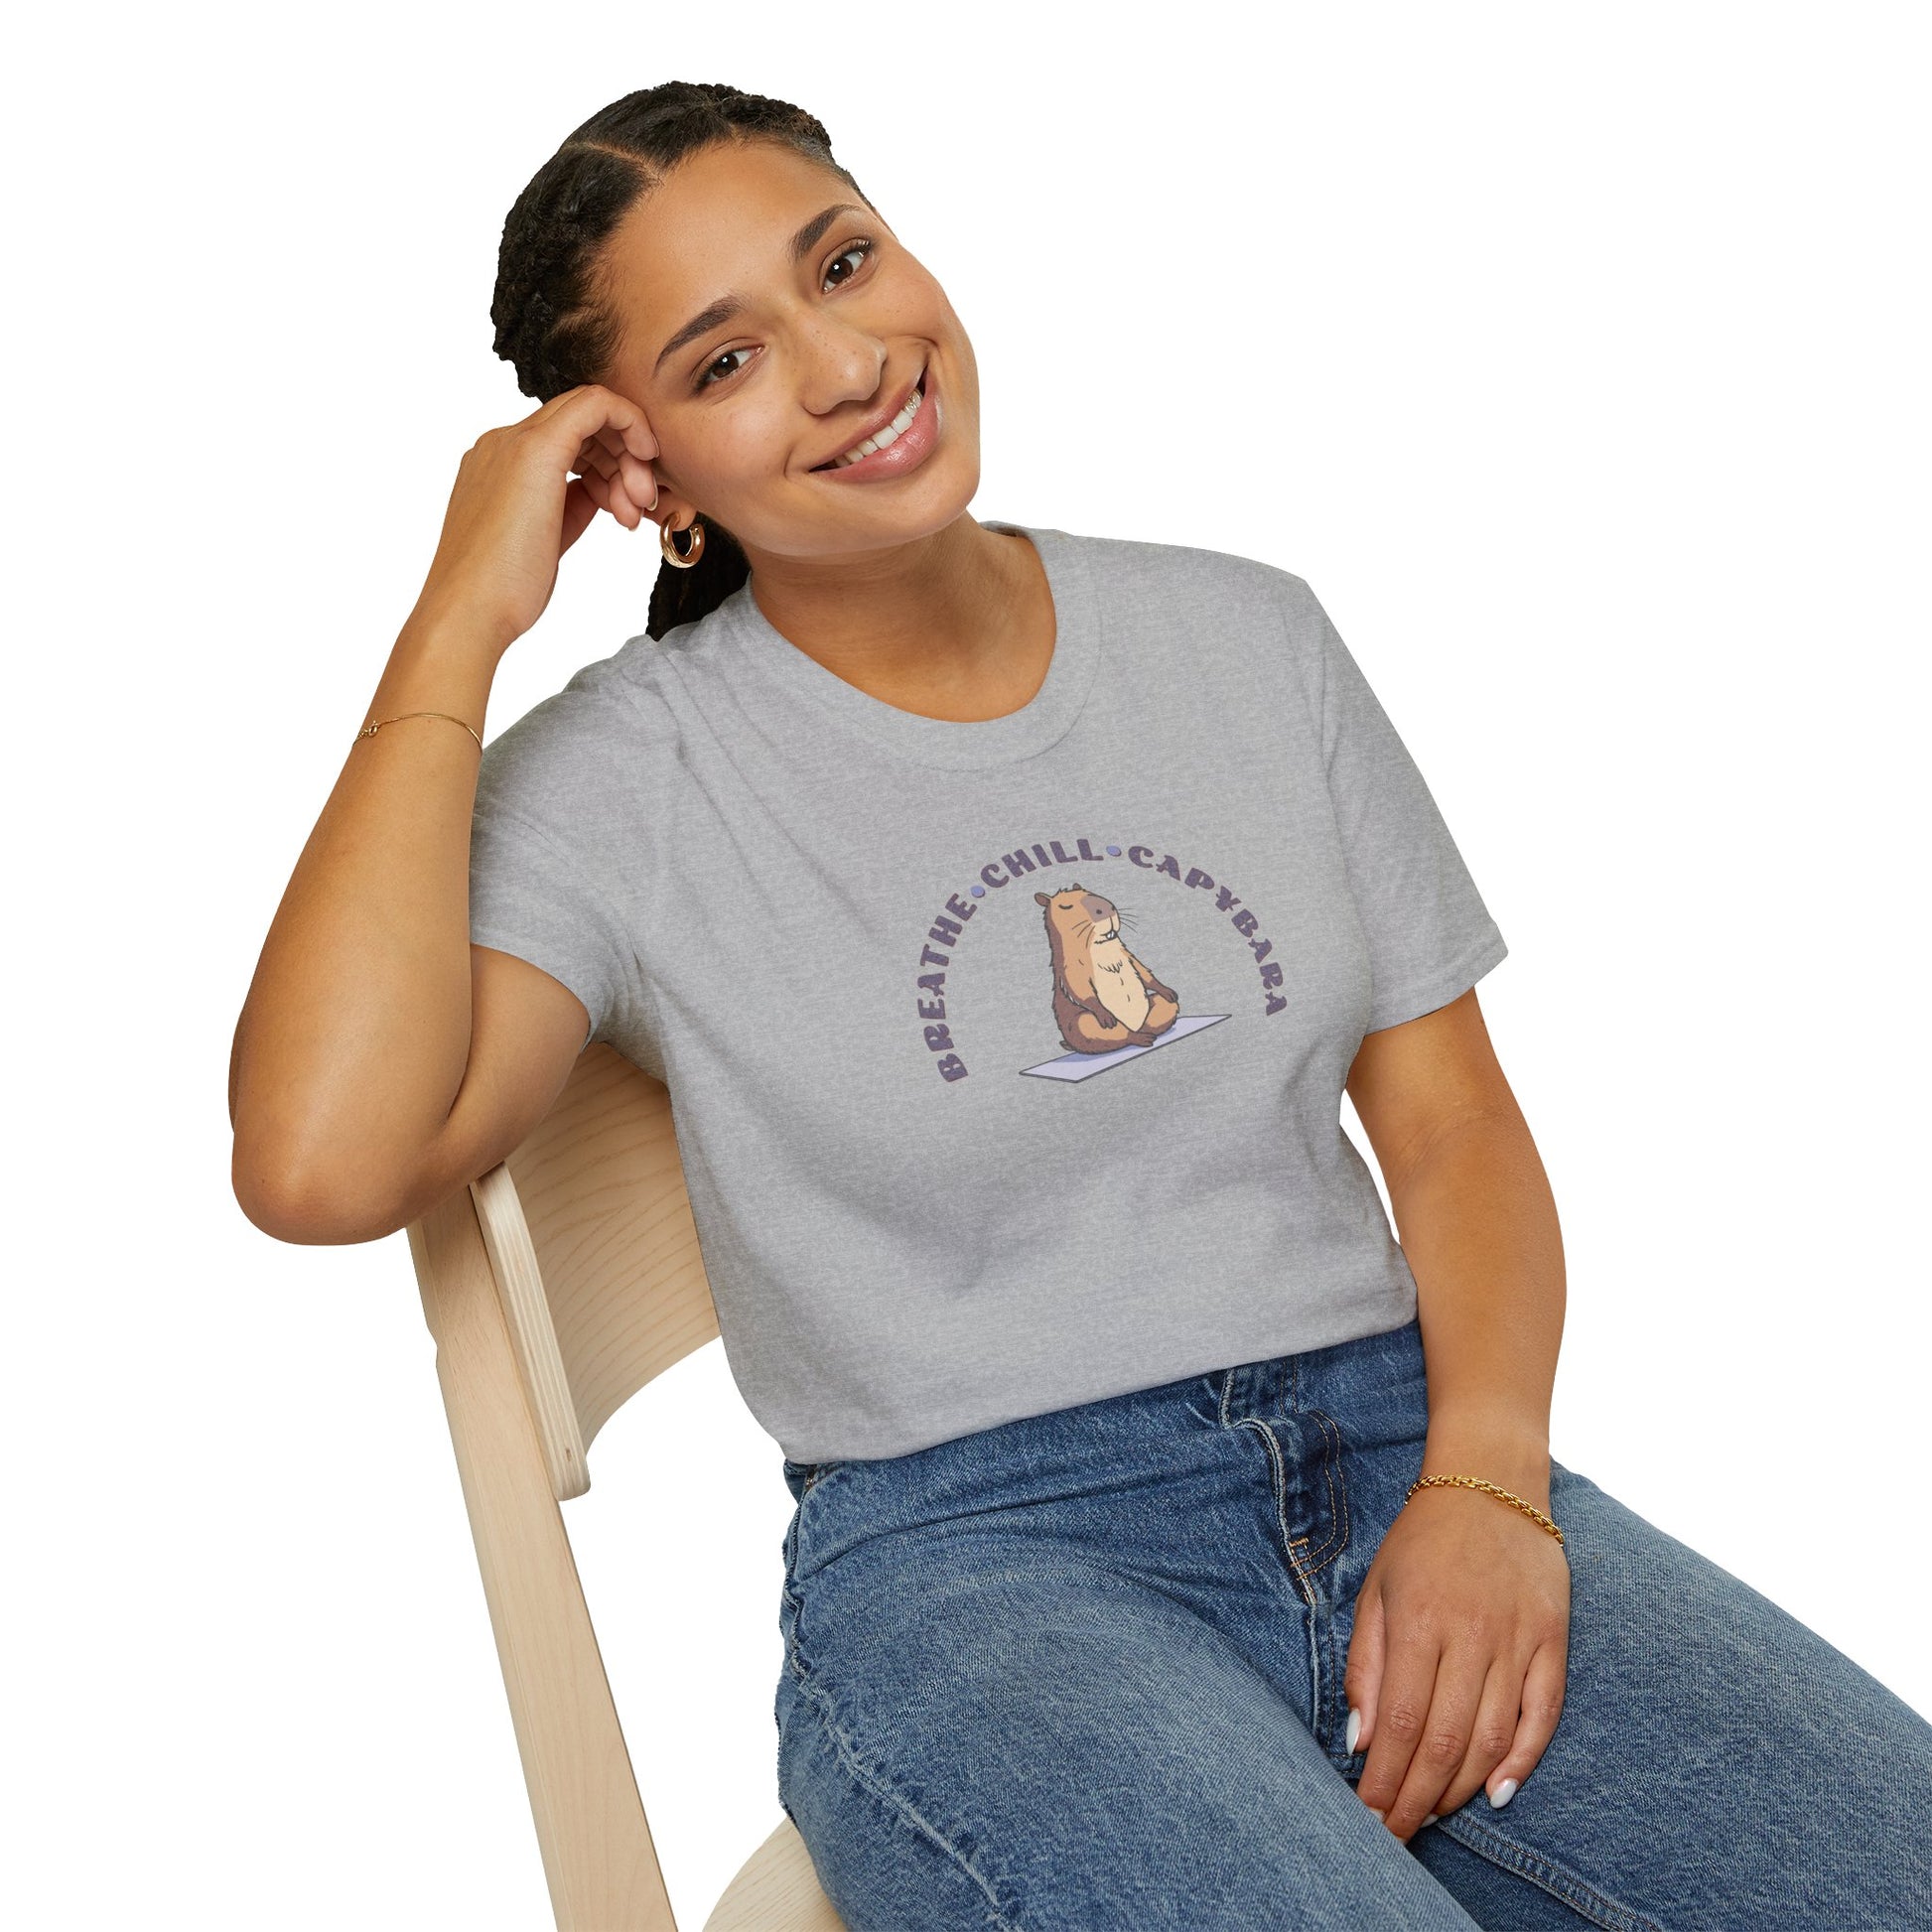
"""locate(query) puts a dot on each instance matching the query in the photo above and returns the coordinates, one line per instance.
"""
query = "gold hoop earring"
(667, 543)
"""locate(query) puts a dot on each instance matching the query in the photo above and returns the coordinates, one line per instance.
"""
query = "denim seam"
(1559, 1882)
(1331, 1456)
(792, 1661)
(877, 1785)
(1307, 1565)
(1337, 1495)
(1327, 1706)
(1278, 1466)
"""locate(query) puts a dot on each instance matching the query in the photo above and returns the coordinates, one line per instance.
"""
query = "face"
(750, 406)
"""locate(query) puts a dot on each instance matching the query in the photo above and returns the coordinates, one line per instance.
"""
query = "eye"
(723, 367)
(859, 249)
(723, 361)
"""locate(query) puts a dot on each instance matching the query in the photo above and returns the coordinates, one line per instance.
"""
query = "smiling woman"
(1173, 1545)
(614, 269)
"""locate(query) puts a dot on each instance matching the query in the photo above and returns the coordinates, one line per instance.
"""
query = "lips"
(878, 422)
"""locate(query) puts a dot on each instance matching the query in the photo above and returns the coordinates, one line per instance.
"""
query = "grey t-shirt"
(1006, 1057)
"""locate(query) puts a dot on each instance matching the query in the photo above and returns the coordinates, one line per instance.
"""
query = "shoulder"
(1258, 623)
(1178, 576)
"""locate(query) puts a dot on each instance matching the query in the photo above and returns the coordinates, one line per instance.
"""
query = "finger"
(609, 439)
(593, 455)
(607, 450)
(621, 423)
(618, 501)
(597, 486)
(1492, 1733)
(635, 490)
(1362, 1674)
(639, 481)
(579, 508)
(1543, 1692)
(629, 421)
(1446, 1730)
(611, 496)
(590, 409)
(631, 498)
(1403, 1701)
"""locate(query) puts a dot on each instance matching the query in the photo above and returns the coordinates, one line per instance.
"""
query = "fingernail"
(1502, 1794)
(1432, 1818)
(1378, 1816)
(1354, 1731)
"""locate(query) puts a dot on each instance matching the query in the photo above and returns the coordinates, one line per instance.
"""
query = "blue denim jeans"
(1085, 1670)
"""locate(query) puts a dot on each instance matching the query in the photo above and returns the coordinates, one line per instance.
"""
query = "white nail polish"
(1502, 1794)
(1378, 1816)
(1432, 1818)
(1354, 1731)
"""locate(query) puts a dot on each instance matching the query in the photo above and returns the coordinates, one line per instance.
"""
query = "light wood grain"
(557, 1286)
(776, 1890)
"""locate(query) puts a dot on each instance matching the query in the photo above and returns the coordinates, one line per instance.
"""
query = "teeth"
(886, 436)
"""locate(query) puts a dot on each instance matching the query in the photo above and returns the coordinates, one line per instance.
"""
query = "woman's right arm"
(380, 1061)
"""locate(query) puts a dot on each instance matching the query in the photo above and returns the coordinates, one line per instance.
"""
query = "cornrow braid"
(552, 316)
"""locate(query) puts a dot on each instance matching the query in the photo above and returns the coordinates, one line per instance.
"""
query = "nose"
(838, 364)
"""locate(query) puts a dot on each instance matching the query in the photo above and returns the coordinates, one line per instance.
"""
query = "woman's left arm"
(1458, 1655)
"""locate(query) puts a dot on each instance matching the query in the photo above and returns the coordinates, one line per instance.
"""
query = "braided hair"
(552, 315)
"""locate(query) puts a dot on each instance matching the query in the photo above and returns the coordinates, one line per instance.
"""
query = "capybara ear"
(1074, 887)
(1041, 898)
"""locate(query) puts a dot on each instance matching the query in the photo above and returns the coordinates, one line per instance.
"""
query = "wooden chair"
(556, 1286)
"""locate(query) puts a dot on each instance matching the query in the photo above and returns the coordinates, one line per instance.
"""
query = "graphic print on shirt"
(1106, 1005)
(1103, 997)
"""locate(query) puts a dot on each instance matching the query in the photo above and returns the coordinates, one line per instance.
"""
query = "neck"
(958, 623)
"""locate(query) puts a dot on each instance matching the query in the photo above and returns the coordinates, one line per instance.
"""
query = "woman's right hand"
(523, 494)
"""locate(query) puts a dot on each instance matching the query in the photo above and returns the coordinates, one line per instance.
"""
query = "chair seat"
(775, 1890)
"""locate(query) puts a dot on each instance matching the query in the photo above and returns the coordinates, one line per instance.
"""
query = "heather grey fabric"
(923, 1206)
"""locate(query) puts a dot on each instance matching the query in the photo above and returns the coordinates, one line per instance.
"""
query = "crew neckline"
(957, 744)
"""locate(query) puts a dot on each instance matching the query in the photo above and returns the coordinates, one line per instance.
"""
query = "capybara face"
(1080, 914)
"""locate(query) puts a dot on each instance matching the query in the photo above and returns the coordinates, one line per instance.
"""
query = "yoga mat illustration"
(1080, 1066)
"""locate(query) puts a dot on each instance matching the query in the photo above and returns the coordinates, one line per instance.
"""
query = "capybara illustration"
(1103, 997)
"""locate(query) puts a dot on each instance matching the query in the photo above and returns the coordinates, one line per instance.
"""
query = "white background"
(1575, 358)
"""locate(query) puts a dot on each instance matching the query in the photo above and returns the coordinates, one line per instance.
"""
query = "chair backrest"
(556, 1286)
(590, 1232)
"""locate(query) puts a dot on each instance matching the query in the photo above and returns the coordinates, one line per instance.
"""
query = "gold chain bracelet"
(1476, 1482)
(370, 731)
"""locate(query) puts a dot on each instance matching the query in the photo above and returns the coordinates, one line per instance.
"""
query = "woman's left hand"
(1458, 1656)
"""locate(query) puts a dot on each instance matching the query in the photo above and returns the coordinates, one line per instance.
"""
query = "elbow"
(306, 1206)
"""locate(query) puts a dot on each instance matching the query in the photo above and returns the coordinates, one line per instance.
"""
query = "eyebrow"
(726, 306)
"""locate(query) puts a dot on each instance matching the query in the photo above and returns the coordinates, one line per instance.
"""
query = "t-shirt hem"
(1419, 996)
(1378, 1313)
(539, 954)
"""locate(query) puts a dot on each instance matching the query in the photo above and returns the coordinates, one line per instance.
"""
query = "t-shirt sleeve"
(1429, 935)
(529, 896)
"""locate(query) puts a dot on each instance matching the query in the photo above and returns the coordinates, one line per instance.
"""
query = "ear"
(1041, 898)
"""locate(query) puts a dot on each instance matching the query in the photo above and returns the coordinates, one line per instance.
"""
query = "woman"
(1007, 913)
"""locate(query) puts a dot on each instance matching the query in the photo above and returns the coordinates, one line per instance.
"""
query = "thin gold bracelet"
(1476, 1482)
(370, 731)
